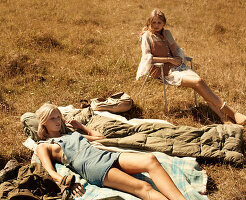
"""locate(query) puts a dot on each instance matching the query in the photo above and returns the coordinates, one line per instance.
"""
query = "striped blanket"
(185, 172)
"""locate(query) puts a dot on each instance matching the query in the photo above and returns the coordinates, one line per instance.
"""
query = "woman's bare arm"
(46, 153)
(175, 60)
(92, 134)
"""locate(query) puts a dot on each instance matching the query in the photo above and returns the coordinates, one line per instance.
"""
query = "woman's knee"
(198, 82)
(144, 187)
(151, 160)
(192, 82)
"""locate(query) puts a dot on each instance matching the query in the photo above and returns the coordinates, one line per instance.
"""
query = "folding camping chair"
(161, 65)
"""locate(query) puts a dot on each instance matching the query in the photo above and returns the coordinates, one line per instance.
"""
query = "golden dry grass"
(68, 50)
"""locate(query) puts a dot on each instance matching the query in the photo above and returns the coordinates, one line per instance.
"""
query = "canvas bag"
(118, 102)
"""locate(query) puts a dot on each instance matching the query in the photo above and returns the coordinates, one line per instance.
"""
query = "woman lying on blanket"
(158, 46)
(102, 168)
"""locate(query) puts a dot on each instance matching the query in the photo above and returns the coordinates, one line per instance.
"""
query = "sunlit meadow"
(65, 51)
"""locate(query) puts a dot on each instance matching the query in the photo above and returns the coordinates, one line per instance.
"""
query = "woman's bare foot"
(240, 119)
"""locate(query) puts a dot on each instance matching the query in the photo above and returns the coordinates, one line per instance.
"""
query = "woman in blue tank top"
(99, 167)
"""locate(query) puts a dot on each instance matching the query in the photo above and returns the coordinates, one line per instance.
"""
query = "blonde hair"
(155, 13)
(43, 114)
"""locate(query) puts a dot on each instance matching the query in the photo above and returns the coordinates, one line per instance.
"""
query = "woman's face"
(157, 24)
(53, 124)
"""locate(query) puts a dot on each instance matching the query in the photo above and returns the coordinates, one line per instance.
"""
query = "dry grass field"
(65, 51)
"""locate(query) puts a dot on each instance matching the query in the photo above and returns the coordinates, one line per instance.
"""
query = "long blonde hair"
(43, 114)
(155, 13)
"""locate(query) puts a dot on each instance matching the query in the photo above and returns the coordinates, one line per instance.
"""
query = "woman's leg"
(133, 163)
(223, 117)
(120, 180)
(213, 100)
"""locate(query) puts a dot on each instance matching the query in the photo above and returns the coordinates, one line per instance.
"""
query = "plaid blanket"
(185, 172)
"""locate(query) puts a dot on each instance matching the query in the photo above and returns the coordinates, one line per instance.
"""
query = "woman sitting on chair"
(99, 167)
(158, 46)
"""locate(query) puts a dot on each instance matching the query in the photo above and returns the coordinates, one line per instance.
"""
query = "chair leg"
(195, 99)
(194, 90)
(164, 88)
(145, 80)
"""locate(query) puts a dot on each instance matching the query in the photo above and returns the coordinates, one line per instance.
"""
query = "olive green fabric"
(219, 141)
(30, 125)
(82, 115)
(33, 182)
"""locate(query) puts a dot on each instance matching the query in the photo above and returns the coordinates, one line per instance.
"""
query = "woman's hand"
(77, 190)
(74, 124)
(176, 61)
(92, 134)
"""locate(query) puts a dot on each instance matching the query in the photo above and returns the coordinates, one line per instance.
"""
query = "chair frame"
(161, 65)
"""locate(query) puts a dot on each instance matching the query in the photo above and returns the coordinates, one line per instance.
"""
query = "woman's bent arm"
(92, 134)
(46, 154)
(176, 61)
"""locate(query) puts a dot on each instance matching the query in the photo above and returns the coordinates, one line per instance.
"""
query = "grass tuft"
(46, 41)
